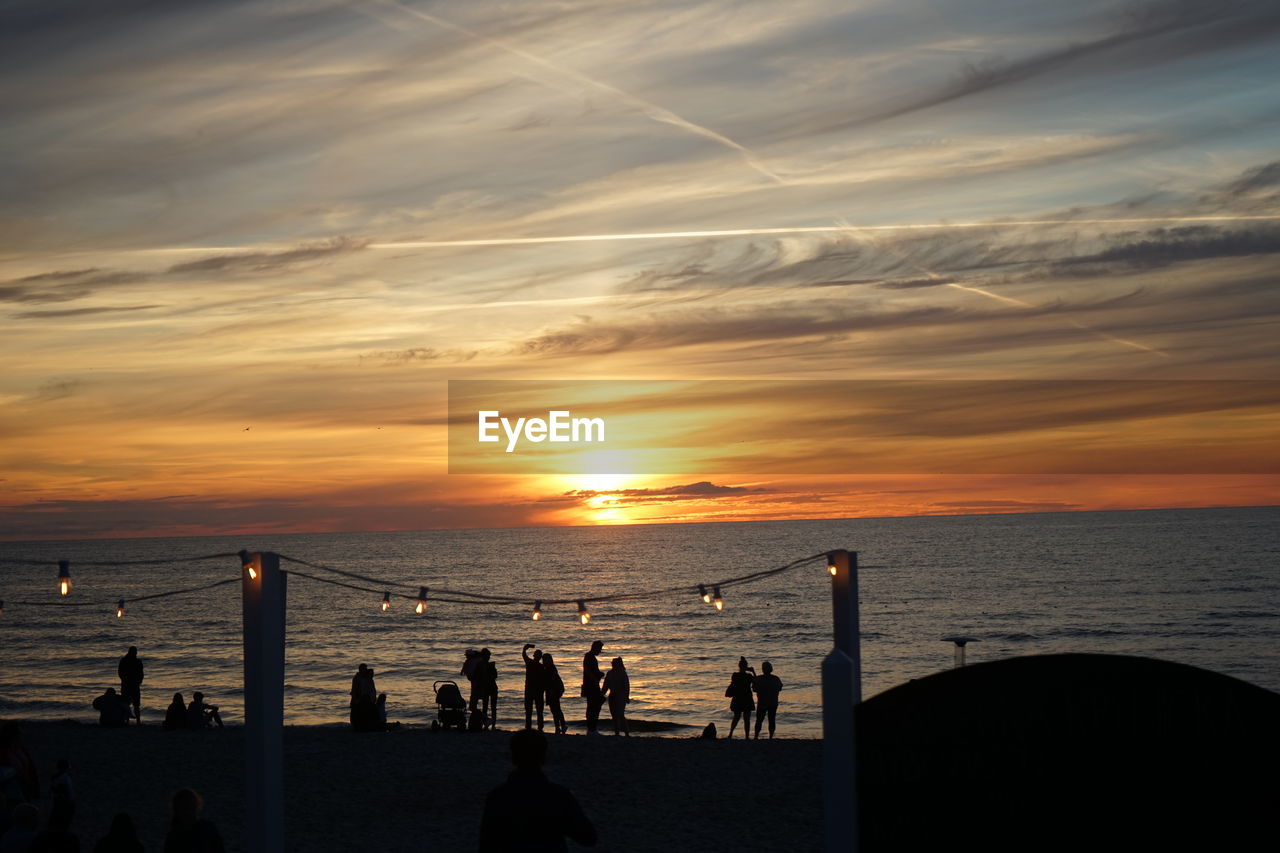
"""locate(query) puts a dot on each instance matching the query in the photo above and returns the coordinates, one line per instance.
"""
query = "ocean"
(1197, 586)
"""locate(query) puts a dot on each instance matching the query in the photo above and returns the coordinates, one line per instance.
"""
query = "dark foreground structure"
(1070, 752)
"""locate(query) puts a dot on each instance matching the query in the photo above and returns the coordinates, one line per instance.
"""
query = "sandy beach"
(414, 789)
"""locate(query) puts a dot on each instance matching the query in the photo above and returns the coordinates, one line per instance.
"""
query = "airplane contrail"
(801, 229)
(652, 110)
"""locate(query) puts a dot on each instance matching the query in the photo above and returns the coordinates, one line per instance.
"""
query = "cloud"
(1162, 247)
(57, 389)
(701, 489)
(81, 312)
(1259, 177)
(269, 261)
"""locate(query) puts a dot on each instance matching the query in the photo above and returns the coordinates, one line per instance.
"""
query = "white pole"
(264, 586)
(841, 691)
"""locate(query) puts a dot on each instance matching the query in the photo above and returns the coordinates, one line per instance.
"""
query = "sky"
(244, 246)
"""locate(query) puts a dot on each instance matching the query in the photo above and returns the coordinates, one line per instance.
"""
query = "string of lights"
(710, 593)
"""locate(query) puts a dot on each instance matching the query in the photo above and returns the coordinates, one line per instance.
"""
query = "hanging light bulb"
(421, 606)
(702, 591)
(583, 616)
(831, 566)
(246, 563)
(717, 600)
(120, 609)
(537, 610)
(64, 577)
(386, 602)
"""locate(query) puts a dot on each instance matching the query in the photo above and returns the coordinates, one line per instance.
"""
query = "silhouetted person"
(528, 813)
(591, 691)
(487, 672)
(535, 685)
(381, 710)
(24, 822)
(57, 837)
(175, 716)
(201, 715)
(470, 666)
(364, 695)
(767, 688)
(130, 672)
(62, 794)
(113, 710)
(188, 833)
(742, 699)
(555, 690)
(25, 785)
(122, 837)
(617, 687)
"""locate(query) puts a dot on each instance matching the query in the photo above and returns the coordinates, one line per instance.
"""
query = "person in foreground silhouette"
(130, 672)
(617, 686)
(57, 837)
(767, 688)
(122, 837)
(23, 785)
(555, 690)
(591, 691)
(113, 710)
(175, 716)
(201, 715)
(528, 812)
(535, 688)
(188, 833)
(739, 691)
(24, 823)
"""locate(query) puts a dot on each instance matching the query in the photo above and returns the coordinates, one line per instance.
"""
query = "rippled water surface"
(1196, 586)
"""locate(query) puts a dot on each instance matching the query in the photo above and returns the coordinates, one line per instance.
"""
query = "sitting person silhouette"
(175, 716)
(201, 715)
(528, 812)
(113, 710)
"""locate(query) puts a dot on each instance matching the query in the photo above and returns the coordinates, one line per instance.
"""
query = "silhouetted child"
(113, 711)
(175, 716)
(767, 688)
(617, 688)
(62, 795)
(122, 837)
(382, 712)
(555, 690)
(188, 833)
(528, 812)
(201, 715)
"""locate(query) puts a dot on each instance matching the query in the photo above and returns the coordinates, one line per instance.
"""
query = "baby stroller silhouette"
(451, 708)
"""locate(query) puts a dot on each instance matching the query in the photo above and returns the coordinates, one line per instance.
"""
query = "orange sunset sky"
(244, 246)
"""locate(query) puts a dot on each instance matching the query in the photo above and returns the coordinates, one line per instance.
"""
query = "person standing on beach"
(487, 672)
(528, 813)
(188, 833)
(130, 672)
(767, 688)
(470, 665)
(591, 676)
(617, 686)
(739, 691)
(555, 689)
(535, 687)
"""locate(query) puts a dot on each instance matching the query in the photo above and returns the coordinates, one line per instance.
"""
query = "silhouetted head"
(767, 667)
(133, 651)
(742, 664)
(528, 749)
(364, 667)
(26, 816)
(537, 654)
(382, 698)
(177, 698)
(111, 691)
(369, 672)
(485, 654)
(197, 697)
(616, 663)
(185, 806)
(122, 828)
(548, 661)
(597, 646)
